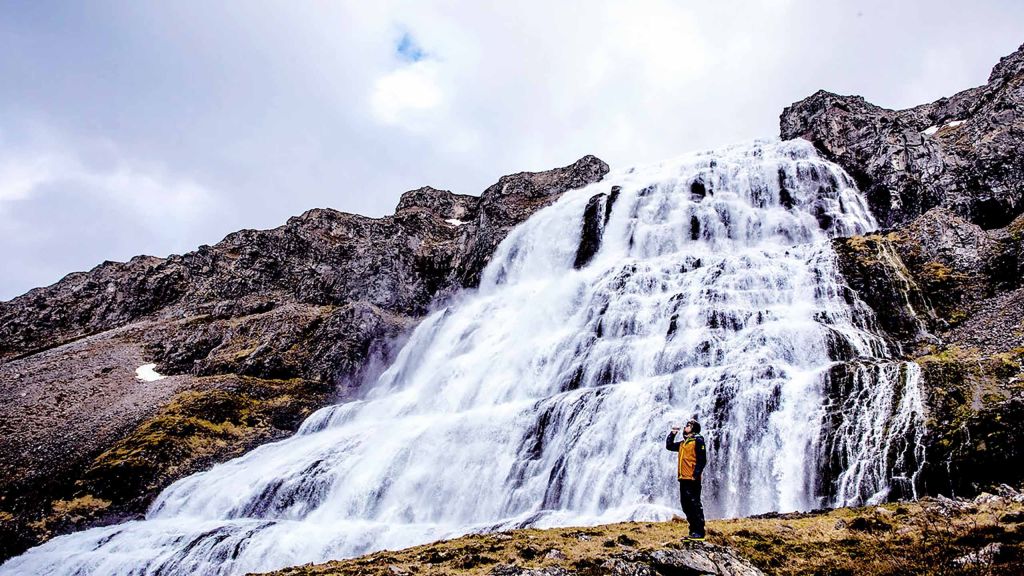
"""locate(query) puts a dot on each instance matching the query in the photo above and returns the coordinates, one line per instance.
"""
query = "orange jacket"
(693, 455)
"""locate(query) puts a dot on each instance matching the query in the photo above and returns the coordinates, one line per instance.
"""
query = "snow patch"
(933, 129)
(146, 373)
(455, 222)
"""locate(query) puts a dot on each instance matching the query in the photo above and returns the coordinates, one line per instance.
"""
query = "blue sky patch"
(408, 49)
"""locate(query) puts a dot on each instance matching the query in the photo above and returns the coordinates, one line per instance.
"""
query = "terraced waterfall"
(704, 286)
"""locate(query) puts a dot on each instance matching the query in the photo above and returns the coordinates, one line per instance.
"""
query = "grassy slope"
(928, 537)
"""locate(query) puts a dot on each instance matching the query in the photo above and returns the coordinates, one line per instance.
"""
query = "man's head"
(692, 427)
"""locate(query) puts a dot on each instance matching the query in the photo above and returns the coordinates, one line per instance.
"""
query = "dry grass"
(895, 539)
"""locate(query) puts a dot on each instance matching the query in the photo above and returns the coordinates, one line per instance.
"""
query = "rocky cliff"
(946, 180)
(251, 334)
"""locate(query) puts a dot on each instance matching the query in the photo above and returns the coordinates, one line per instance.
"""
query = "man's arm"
(702, 457)
(670, 443)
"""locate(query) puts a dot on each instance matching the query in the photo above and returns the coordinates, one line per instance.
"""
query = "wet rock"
(613, 196)
(939, 286)
(872, 267)
(698, 191)
(593, 228)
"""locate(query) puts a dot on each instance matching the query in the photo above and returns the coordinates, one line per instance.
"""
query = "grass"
(927, 538)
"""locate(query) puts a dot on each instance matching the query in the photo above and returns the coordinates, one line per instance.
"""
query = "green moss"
(80, 508)
(195, 429)
(973, 420)
(865, 249)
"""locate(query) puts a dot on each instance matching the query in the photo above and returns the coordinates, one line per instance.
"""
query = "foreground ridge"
(932, 536)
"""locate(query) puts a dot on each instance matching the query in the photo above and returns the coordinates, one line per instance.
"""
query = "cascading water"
(543, 398)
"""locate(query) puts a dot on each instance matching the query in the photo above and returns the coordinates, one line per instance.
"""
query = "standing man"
(693, 457)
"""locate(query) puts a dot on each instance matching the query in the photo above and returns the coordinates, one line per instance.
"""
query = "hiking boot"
(695, 538)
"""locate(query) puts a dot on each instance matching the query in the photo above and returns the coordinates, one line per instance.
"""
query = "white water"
(543, 399)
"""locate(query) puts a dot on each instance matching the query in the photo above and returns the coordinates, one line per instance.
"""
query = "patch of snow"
(933, 129)
(455, 222)
(146, 373)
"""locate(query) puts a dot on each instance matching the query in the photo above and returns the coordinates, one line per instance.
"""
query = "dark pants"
(689, 497)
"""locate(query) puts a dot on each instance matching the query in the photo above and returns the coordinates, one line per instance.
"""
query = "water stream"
(543, 398)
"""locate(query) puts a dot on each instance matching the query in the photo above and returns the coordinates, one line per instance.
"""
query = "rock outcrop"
(252, 334)
(944, 276)
(961, 152)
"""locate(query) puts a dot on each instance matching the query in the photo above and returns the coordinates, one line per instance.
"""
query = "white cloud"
(145, 189)
(19, 176)
(403, 96)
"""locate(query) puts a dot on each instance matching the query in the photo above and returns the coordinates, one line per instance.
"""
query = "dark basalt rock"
(512, 200)
(945, 277)
(873, 268)
(319, 303)
(971, 164)
(693, 560)
(613, 196)
(594, 218)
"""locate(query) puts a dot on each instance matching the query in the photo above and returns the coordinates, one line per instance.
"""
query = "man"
(693, 457)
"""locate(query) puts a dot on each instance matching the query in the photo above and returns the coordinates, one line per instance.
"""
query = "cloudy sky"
(153, 127)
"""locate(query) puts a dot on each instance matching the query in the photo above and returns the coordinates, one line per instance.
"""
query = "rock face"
(961, 152)
(691, 561)
(253, 334)
(946, 179)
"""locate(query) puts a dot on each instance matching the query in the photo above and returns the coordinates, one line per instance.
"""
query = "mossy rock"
(976, 421)
(196, 429)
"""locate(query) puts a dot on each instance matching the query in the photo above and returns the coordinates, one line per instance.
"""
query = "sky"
(154, 127)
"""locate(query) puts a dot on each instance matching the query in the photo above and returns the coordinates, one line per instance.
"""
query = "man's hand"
(675, 429)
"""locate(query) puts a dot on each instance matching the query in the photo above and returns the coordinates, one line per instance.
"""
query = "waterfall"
(709, 289)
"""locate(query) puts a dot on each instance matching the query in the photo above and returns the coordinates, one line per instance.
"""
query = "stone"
(961, 152)
(554, 554)
(593, 227)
